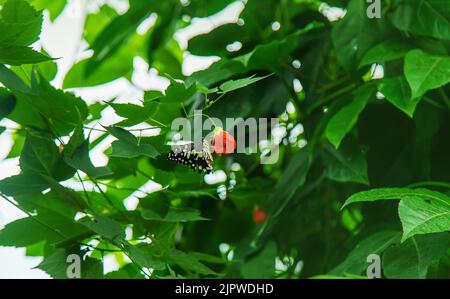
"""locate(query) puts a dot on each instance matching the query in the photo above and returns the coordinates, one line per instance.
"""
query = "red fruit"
(223, 142)
(259, 215)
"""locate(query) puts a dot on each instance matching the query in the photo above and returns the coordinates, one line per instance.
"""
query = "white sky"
(61, 39)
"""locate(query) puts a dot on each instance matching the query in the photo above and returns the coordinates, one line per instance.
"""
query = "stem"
(25, 73)
(132, 261)
(84, 189)
(213, 102)
(99, 249)
(331, 97)
(205, 115)
(144, 174)
(332, 84)
(123, 188)
(109, 200)
(444, 97)
(158, 122)
(433, 103)
(140, 130)
(184, 110)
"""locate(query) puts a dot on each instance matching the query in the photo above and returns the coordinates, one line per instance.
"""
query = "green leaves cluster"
(20, 25)
(362, 162)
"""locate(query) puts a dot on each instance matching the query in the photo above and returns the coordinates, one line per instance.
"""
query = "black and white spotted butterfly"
(197, 160)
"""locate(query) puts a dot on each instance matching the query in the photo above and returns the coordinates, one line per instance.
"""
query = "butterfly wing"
(185, 154)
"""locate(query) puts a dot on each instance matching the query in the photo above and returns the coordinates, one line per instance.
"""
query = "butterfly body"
(197, 160)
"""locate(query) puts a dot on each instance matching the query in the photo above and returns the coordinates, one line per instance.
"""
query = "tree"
(362, 173)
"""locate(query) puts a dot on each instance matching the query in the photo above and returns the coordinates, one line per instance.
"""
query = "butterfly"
(186, 154)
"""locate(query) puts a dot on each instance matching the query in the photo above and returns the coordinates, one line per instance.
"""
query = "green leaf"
(105, 227)
(79, 159)
(47, 69)
(412, 258)
(421, 211)
(397, 92)
(356, 33)
(356, 261)
(26, 231)
(43, 227)
(135, 114)
(20, 23)
(151, 95)
(187, 261)
(156, 206)
(128, 146)
(425, 72)
(183, 215)
(174, 215)
(45, 203)
(56, 265)
(127, 150)
(13, 82)
(394, 193)
(178, 92)
(261, 265)
(294, 176)
(218, 71)
(122, 134)
(197, 193)
(115, 34)
(423, 215)
(19, 140)
(348, 164)
(23, 184)
(115, 66)
(54, 7)
(17, 55)
(7, 103)
(96, 22)
(240, 83)
(430, 17)
(215, 41)
(62, 111)
(127, 271)
(162, 32)
(143, 257)
(41, 156)
(205, 90)
(345, 119)
(276, 54)
(207, 257)
(156, 202)
(386, 51)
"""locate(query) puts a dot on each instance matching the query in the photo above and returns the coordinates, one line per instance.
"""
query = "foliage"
(363, 163)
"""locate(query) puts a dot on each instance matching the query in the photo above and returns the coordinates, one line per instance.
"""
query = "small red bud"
(259, 215)
(223, 142)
